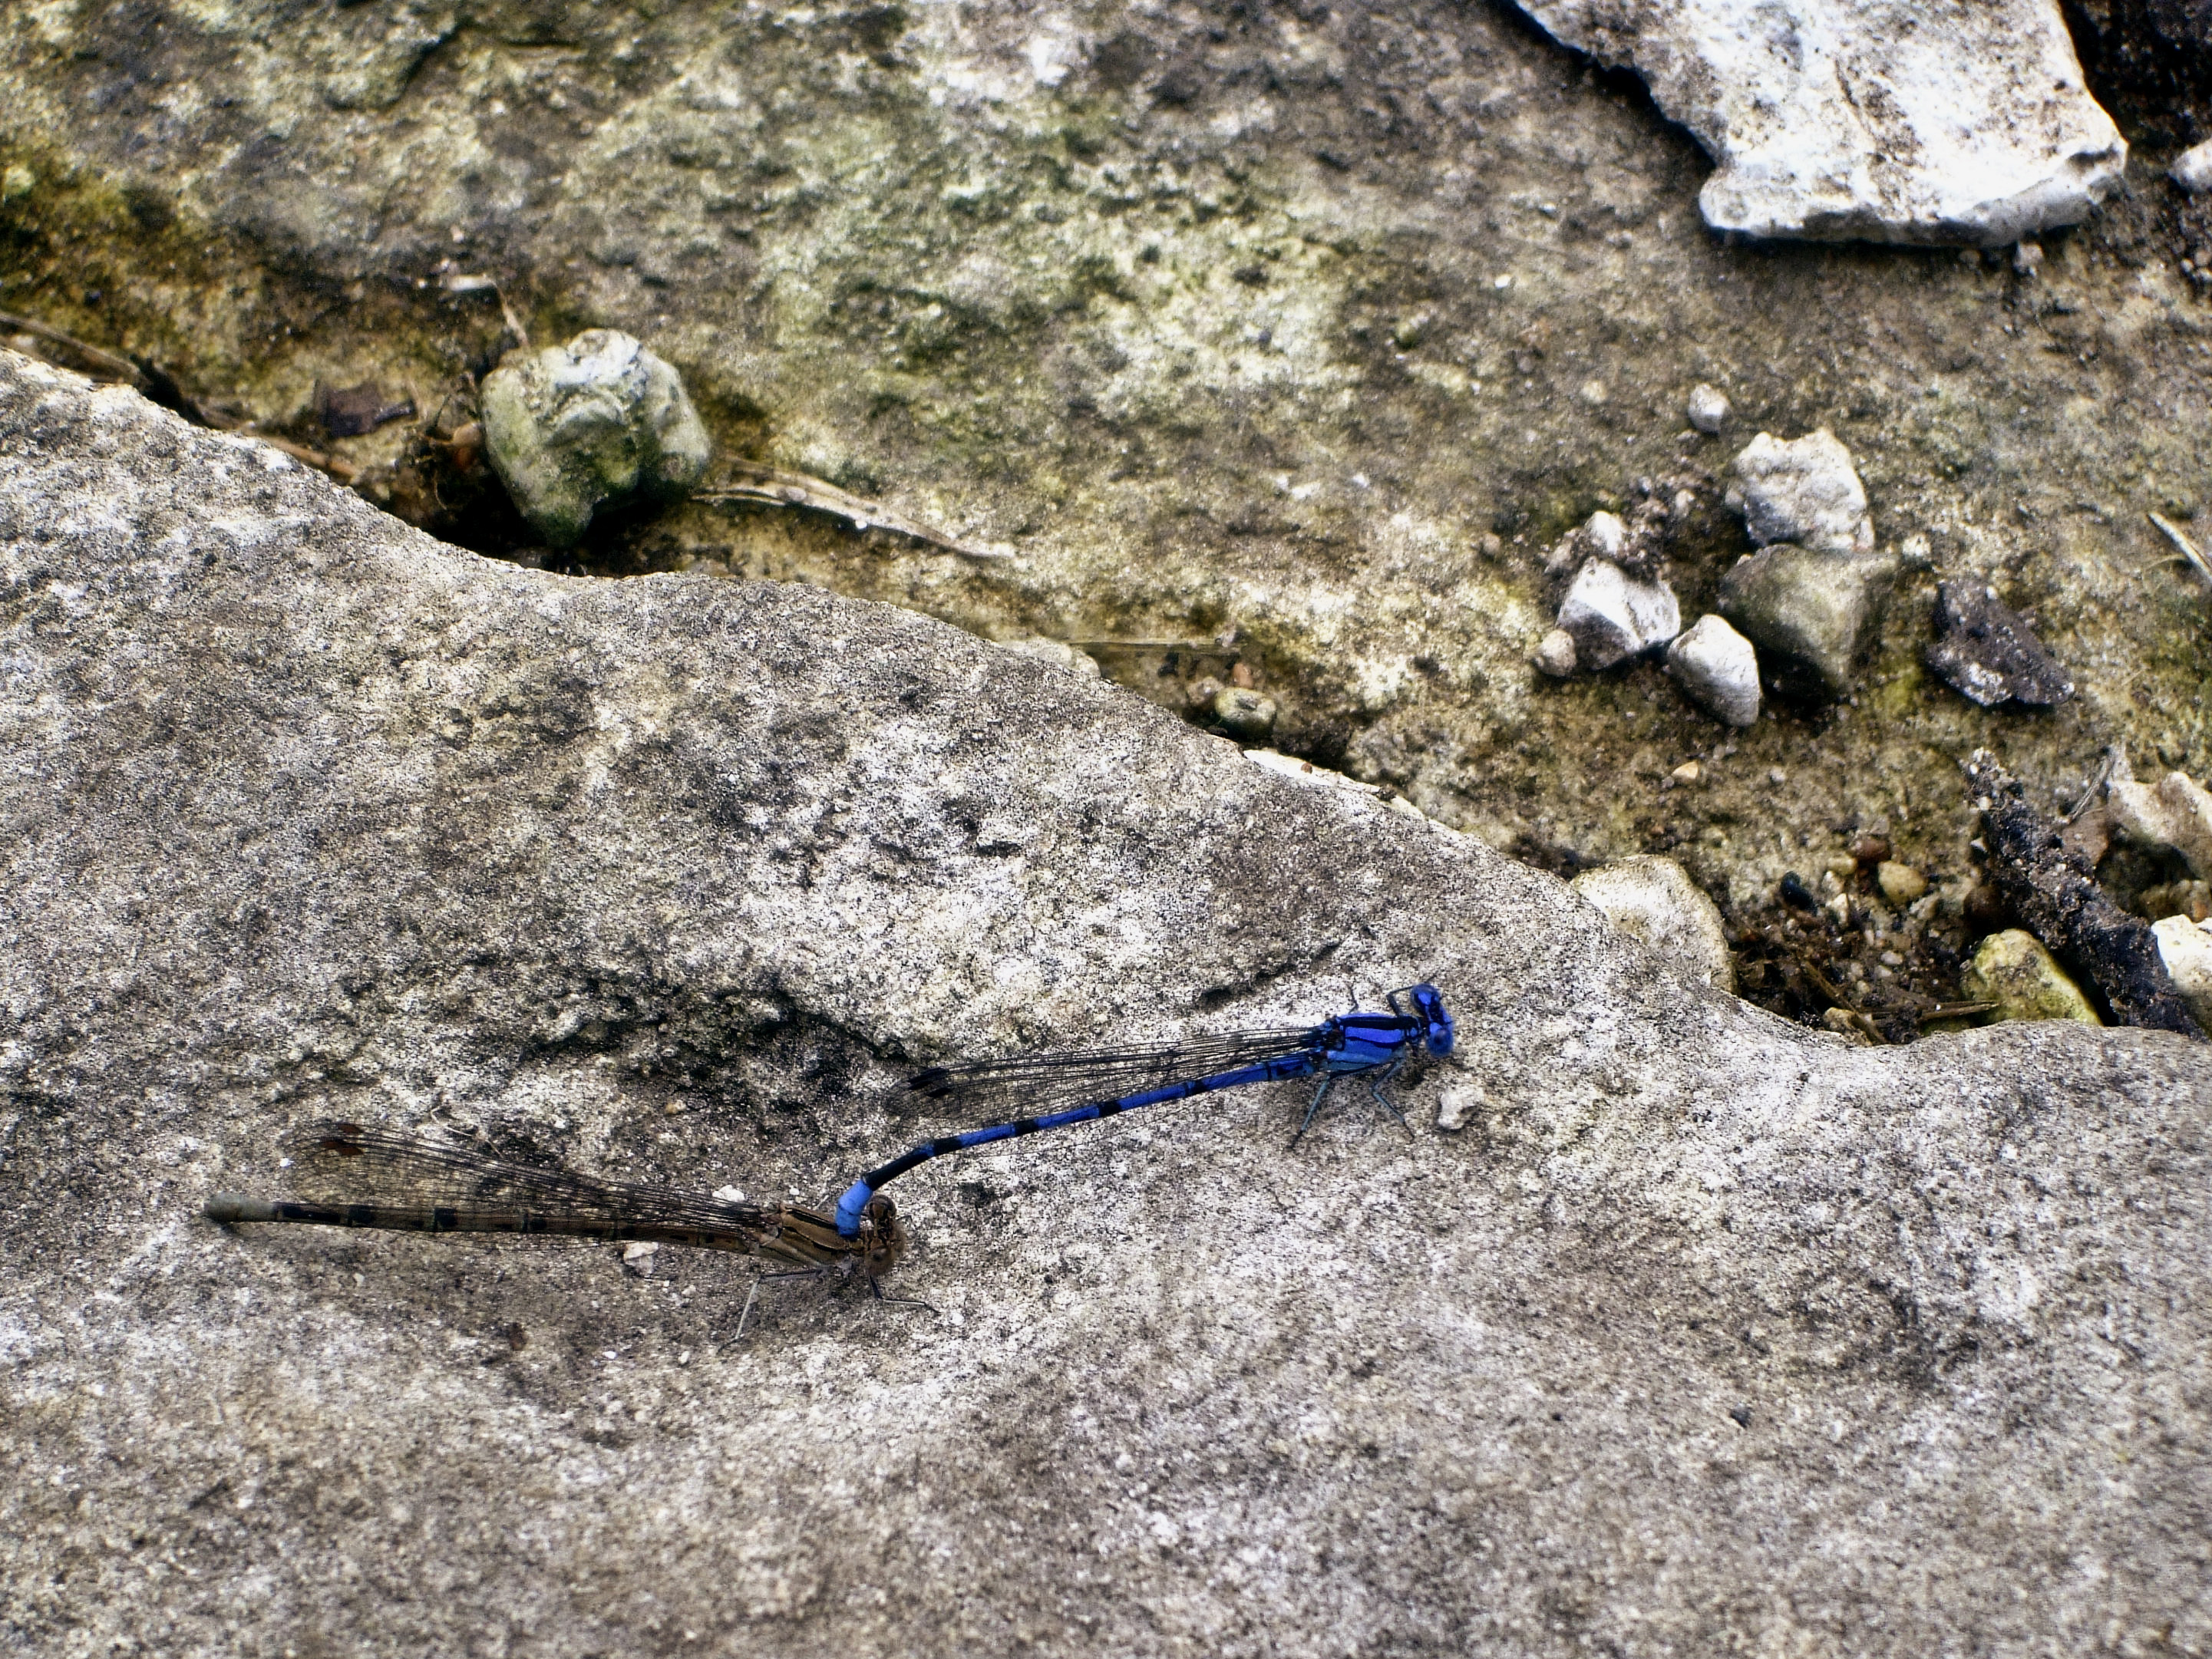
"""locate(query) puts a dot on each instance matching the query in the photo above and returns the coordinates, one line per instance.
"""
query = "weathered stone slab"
(1889, 120)
(1703, 1332)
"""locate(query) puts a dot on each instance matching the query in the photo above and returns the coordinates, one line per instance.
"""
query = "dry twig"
(101, 365)
(769, 486)
(2055, 891)
(2189, 552)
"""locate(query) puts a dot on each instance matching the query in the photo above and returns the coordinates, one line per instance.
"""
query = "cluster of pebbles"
(1793, 614)
(1865, 948)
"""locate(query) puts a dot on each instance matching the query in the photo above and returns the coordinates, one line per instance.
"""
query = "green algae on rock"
(2013, 970)
(578, 426)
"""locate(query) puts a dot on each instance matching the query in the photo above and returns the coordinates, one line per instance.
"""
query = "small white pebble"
(1456, 1106)
(1777, 775)
(1709, 408)
(2192, 169)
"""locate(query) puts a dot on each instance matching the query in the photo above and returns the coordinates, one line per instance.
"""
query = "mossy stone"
(595, 422)
(2014, 970)
(1808, 612)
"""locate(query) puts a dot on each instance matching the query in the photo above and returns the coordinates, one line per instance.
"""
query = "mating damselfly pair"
(354, 1176)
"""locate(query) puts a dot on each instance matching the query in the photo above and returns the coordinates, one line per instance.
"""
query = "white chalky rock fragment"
(1457, 1106)
(1889, 120)
(1655, 900)
(1606, 534)
(1613, 617)
(1601, 536)
(1803, 490)
(2185, 947)
(1709, 408)
(2192, 169)
(1718, 668)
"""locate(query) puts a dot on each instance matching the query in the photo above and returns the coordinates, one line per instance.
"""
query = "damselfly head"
(1430, 1005)
(883, 1236)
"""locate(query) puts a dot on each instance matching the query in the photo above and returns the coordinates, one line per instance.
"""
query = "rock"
(1600, 536)
(2174, 812)
(1653, 899)
(1851, 1027)
(930, 332)
(1244, 713)
(1555, 654)
(1803, 490)
(1718, 668)
(1831, 119)
(1708, 409)
(1457, 1107)
(1612, 616)
(1808, 613)
(1058, 652)
(2185, 947)
(305, 812)
(2013, 969)
(2191, 900)
(1988, 654)
(1811, 597)
(2192, 169)
(594, 423)
(1900, 884)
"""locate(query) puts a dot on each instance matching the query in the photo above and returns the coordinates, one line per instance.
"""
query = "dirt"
(1277, 346)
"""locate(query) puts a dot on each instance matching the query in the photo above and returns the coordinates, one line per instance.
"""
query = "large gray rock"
(1654, 900)
(1809, 614)
(1704, 1333)
(1311, 322)
(1885, 119)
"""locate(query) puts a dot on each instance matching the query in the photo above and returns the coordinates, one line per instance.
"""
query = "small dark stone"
(348, 411)
(1987, 653)
(1986, 909)
(1795, 891)
(1870, 850)
(1742, 1415)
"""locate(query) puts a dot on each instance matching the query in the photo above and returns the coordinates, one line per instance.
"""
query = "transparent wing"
(1031, 1083)
(350, 1162)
